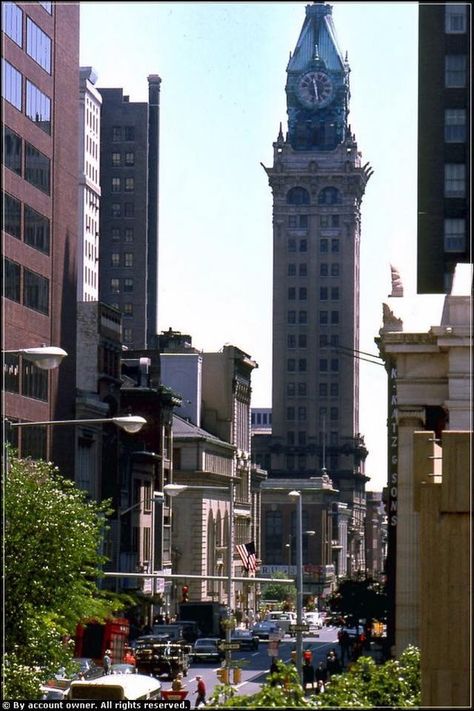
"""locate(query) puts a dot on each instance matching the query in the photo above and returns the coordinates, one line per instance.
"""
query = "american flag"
(248, 556)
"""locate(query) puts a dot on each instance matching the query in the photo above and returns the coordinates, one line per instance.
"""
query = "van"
(283, 619)
(115, 687)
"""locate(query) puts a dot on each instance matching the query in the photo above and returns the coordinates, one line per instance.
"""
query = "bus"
(115, 687)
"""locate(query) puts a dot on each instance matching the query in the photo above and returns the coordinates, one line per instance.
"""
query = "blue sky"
(222, 99)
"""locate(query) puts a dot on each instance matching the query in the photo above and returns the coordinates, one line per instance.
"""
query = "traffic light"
(223, 675)
(184, 593)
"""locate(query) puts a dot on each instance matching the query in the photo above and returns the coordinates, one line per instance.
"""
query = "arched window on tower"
(329, 196)
(297, 196)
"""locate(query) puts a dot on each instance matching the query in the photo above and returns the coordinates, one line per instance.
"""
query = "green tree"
(52, 540)
(358, 599)
(278, 591)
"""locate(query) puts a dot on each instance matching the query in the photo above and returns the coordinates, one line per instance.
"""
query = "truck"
(207, 615)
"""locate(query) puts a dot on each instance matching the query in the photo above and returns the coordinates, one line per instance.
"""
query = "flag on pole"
(248, 556)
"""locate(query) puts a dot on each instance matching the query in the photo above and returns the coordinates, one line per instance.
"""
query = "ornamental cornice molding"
(411, 415)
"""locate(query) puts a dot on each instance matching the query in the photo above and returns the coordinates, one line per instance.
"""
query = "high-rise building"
(89, 187)
(444, 146)
(318, 182)
(40, 89)
(129, 157)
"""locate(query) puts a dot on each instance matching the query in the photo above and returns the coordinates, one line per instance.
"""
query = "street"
(257, 664)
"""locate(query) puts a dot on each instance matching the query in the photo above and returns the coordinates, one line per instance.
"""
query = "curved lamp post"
(129, 423)
(44, 357)
(297, 498)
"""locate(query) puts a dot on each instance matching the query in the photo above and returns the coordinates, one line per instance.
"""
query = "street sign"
(299, 628)
(228, 646)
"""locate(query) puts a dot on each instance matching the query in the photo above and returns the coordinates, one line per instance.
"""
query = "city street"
(255, 671)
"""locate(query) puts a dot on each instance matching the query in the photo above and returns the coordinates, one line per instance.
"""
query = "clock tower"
(318, 181)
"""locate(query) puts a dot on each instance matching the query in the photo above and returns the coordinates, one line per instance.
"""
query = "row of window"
(454, 180)
(119, 184)
(116, 234)
(37, 104)
(301, 340)
(28, 380)
(325, 269)
(261, 418)
(300, 196)
(123, 133)
(127, 285)
(300, 413)
(300, 365)
(126, 159)
(26, 287)
(324, 245)
(301, 389)
(29, 163)
(125, 210)
(302, 221)
(325, 317)
(19, 219)
(38, 43)
(325, 293)
(125, 260)
(455, 71)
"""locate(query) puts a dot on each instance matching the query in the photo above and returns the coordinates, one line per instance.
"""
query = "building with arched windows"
(318, 181)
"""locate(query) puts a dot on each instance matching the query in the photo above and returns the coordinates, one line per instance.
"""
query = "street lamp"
(130, 423)
(297, 498)
(44, 357)
(175, 490)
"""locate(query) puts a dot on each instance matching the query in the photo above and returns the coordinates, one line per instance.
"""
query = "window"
(455, 71)
(273, 535)
(334, 245)
(298, 221)
(291, 245)
(323, 389)
(116, 134)
(116, 160)
(334, 316)
(324, 269)
(454, 235)
(12, 288)
(128, 259)
(12, 154)
(323, 245)
(303, 270)
(291, 293)
(335, 269)
(11, 216)
(302, 340)
(329, 196)
(127, 335)
(291, 365)
(301, 438)
(38, 45)
(128, 235)
(12, 22)
(290, 389)
(290, 413)
(129, 209)
(303, 245)
(128, 309)
(291, 341)
(334, 413)
(455, 19)
(302, 413)
(115, 259)
(116, 209)
(454, 180)
(128, 284)
(323, 340)
(291, 317)
(329, 220)
(129, 158)
(297, 196)
(115, 286)
(12, 85)
(334, 365)
(302, 389)
(291, 269)
(37, 168)
(11, 372)
(302, 365)
(455, 125)
(115, 234)
(335, 293)
(323, 317)
(323, 293)
(34, 381)
(129, 133)
(37, 230)
(303, 293)
(35, 291)
(303, 317)
(323, 365)
(115, 185)
(129, 185)
(38, 107)
(334, 389)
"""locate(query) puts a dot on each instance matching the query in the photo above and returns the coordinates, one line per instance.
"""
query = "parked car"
(245, 638)
(87, 667)
(207, 649)
(265, 630)
(314, 620)
(282, 618)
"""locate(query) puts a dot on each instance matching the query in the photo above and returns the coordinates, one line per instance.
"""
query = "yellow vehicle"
(115, 687)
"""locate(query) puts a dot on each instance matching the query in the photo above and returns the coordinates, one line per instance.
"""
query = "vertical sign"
(393, 448)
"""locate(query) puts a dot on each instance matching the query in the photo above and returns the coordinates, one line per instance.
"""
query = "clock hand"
(315, 86)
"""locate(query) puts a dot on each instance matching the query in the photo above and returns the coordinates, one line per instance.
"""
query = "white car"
(314, 620)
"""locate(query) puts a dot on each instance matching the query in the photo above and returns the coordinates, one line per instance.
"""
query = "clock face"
(315, 89)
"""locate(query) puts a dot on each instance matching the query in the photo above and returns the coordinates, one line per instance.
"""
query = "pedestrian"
(321, 673)
(333, 664)
(128, 657)
(344, 643)
(273, 670)
(177, 683)
(200, 691)
(107, 661)
(308, 675)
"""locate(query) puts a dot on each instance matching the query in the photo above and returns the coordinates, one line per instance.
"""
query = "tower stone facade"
(318, 181)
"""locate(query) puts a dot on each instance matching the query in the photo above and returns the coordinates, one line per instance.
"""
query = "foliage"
(51, 565)
(282, 690)
(358, 599)
(366, 685)
(278, 591)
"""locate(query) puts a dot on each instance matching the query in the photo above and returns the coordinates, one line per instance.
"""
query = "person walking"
(107, 661)
(333, 665)
(308, 675)
(200, 691)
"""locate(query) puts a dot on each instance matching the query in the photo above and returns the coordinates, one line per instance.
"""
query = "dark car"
(157, 656)
(266, 630)
(207, 649)
(245, 639)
